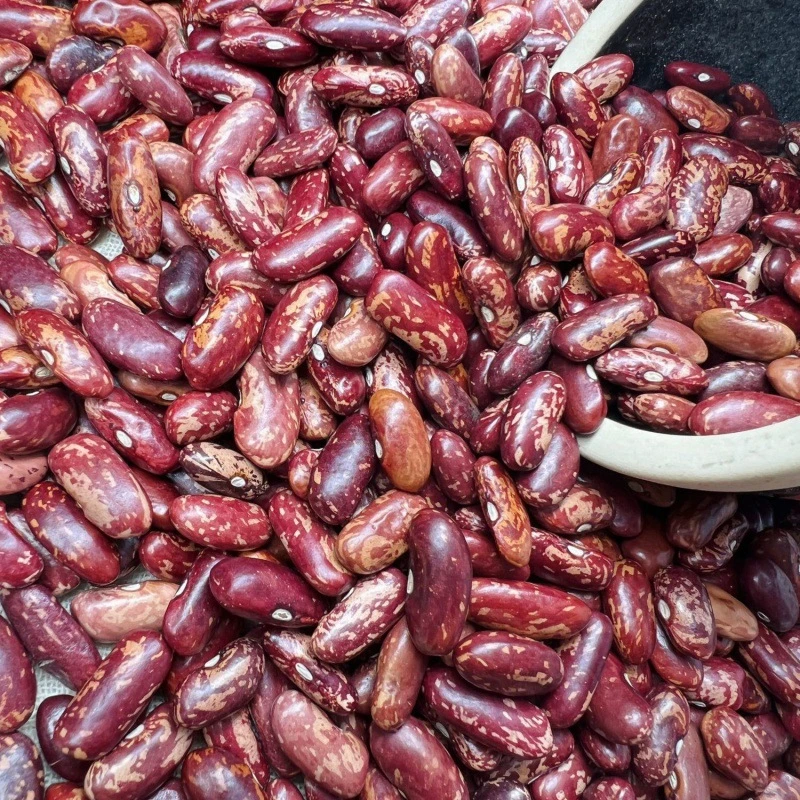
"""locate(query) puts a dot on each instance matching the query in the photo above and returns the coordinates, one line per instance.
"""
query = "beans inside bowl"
(292, 496)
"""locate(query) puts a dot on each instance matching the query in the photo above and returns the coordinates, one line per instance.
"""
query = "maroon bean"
(213, 774)
(18, 685)
(125, 680)
(507, 664)
(310, 544)
(22, 764)
(553, 479)
(401, 752)
(537, 611)
(205, 696)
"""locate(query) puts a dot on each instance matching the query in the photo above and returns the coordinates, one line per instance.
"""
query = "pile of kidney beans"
(377, 274)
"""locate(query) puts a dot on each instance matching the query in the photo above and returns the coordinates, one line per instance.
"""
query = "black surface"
(757, 41)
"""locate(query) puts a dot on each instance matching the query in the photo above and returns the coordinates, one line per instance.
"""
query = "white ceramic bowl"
(766, 459)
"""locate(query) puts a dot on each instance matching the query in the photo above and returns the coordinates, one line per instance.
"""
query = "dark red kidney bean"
(365, 86)
(529, 420)
(645, 370)
(722, 685)
(103, 484)
(360, 618)
(522, 354)
(131, 341)
(701, 77)
(662, 158)
(199, 416)
(222, 338)
(20, 563)
(235, 734)
(493, 299)
(158, 741)
(642, 106)
(327, 686)
(101, 94)
(733, 749)
(503, 510)
(181, 285)
(24, 224)
(267, 421)
(607, 75)
(302, 729)
(552, 480)
(379, 133)
(583, 657)
(296, 153)
(310, 544)
(586, 405)
(682, 289)
(538, 611)
(577, 107)
(654, 758)
(31, 422)
(133, 430)
(245, 210)
(695, 196)
(356, 339)
(504, 85)
(18, 685)
(465, 234)
(395, 177)
(130, 21)
(617, 711)
(439, 335)
(524, 732)
(594, 330)
(213, 774)
(289, 332)
(60, 526)
(439, 558)
(205, 696)
(265, 592)
(125, 680)
(569, 779)
(744, 165)
(222, 522)
(397, 753)
(22, 763)
(343, 470)
(30, 154)
(452, 463)
(507, 664)
(54, 639)
(735, 376)
(446, 401)
(307, 196)
(436, 154)
(193, 612)
(747, 98)
(683, 606)
(47, 715)
(769, 592)
(628, 600)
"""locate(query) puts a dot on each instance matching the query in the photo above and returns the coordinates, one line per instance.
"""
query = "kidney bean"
(325, 685)
(126, 679)
(35, 421)
(392, 751)
(507, 664)
(745, 334)
(108, 615)
(213, 773)
(649, 370)
(302, 729)
(733, 749)
(23, 224)
(655, 757)
(723, 413)
(309, 544)
(47, 716)
(106, 489)
(205, 696)
(512, 606)
(430, 328)
(18, 685)
(222, 522)
(22, 766)
(679, 669)
(769, 592)
(684, 608)
(360, 618)
(263, 591)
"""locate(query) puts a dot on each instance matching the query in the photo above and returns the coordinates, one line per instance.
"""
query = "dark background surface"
(757, 41)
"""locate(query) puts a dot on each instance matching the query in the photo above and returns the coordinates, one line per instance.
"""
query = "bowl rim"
(762, 459)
